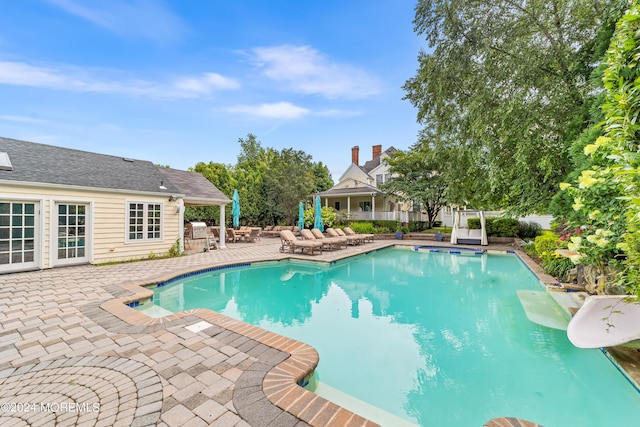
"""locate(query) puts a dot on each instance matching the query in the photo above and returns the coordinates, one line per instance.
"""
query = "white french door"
(19, 235)
(72, 238)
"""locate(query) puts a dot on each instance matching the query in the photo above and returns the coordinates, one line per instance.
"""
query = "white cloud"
(22, 119)
(147, 19)
(205, 83)
(278, 110)
(305, 70)
(61, 77)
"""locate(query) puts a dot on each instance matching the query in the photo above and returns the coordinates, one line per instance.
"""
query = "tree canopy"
(418, 175)
(605, 194)
(504, 88)
(270, 183)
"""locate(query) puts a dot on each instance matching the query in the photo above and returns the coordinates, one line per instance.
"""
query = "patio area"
(73, 354)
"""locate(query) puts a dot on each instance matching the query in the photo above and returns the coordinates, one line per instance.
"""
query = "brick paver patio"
(72, 354)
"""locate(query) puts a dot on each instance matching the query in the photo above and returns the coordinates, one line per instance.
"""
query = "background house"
(357, 194)
(60, 206)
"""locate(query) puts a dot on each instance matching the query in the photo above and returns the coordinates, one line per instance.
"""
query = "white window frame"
(145, 221)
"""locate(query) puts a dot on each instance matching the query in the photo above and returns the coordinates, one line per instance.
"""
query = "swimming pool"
(436, 339)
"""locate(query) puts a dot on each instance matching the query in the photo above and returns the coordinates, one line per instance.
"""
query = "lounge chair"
(231, 236)
(351, 240)
(290, 243)
(273, 231)
(349, 232)
(253, 235)
(328, 243)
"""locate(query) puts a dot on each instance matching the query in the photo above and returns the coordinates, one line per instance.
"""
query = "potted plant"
(400, 231)
(439, 236)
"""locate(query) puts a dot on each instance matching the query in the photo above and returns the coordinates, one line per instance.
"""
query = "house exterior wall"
(106, 223)
(352, 173)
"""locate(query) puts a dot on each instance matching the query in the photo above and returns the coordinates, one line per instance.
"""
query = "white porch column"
(348, 206)
(223, 233)
(326, 202)
(373, 206)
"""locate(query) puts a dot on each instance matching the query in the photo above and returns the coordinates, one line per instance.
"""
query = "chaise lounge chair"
(351, 240)
(290, 243)
(327, 242)
(349, 232)
(253, 235)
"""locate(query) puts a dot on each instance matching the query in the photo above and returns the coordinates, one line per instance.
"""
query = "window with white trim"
(144, 221)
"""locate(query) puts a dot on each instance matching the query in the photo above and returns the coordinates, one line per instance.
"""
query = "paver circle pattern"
(92, 390)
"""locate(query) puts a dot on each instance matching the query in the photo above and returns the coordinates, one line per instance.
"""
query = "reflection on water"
(438, 339)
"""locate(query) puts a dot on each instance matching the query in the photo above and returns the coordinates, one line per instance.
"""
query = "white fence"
(446, 216)
(388, 216)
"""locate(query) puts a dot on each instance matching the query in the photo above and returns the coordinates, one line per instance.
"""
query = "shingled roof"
(196, 188)
(47, 164)
(374, 163)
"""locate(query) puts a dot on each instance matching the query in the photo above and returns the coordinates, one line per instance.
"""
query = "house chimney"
(355, 155)
(377, 150)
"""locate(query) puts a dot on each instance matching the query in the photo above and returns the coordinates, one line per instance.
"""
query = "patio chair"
(349, 232)
(253, 235)
(351, 240)
(231, 235)
(290, 243)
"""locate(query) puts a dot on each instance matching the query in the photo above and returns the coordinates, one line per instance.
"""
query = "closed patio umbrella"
(301, 216)
(235, 208)
(318, 221)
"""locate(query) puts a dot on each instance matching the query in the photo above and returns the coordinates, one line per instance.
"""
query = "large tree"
(418, 177)
(220, 176)
(505, 83)
(289, 180)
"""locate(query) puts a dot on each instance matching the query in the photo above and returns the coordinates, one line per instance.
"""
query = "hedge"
(498, 227)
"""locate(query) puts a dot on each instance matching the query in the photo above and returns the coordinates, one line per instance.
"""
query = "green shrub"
(375, 226)
(362, 227)
(505, 227)
(388, 224)
(417, 226)
(498, 227)
(556, 265)
(529, 230)
(546, 244)
(474, 223)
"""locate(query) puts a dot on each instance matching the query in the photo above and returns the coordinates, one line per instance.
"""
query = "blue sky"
(177, 82)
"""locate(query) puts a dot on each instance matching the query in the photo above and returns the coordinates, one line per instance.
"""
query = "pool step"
(356, 405)
(541, 308)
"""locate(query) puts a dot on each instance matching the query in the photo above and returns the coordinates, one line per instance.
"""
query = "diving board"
(606, 321)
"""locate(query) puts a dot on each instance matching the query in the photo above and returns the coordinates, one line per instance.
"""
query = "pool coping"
(282, 384)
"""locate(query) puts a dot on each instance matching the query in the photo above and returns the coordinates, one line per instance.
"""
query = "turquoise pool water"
(436, 339)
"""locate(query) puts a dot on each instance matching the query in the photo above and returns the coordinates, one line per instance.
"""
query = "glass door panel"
(17, 235)
(71, 235)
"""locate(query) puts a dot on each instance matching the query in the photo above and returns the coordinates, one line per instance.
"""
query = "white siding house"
(357, 194)
(60, 206)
